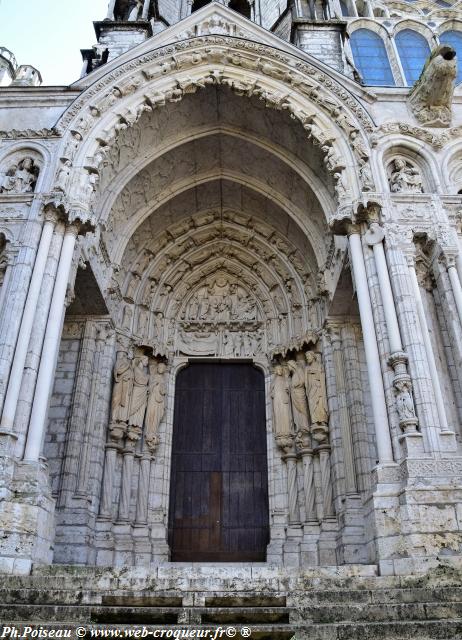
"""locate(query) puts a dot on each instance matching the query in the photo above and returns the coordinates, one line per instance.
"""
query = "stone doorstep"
(219, 570)
(38, 594)
(303, 614)
(403, 630)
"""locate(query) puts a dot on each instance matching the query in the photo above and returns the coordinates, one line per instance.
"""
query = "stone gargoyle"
(430, 99)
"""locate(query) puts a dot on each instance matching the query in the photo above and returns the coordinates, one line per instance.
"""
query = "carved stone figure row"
(138, 398)
(299, 399)
(226, 343)
(332, 159)
(21, 177)
(300, 416)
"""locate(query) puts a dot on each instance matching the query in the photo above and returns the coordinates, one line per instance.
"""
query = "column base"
(416, 520)
(104, 543)
(350, 544)
(291, 549)
(328, 542)
(448, 441)
(309, 552)
(412, 445)
(27, 516)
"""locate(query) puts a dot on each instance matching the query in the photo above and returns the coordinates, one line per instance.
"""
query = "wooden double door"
(219, 477)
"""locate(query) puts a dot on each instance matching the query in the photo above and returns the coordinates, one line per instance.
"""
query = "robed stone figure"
(139, 394)
(156, 404)
(316, 388)
(298, 396)
(122, 391)
(282, 415)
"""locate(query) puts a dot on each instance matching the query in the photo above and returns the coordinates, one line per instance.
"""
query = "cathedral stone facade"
(230, 290)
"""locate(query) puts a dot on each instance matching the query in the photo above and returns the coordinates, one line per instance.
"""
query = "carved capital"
(375, 234)
(369, 212)
(83, 221)
(448, 258)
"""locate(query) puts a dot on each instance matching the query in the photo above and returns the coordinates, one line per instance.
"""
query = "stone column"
(133, 435)
(98, 413)
(143, 489)
(81, 410)
(32, 364)
(455, 284)
(379, 409)
(6, 278)
(50, 348)
(290, 458)
(398, 359)
(326, 482)
(25, 329)
(105, 511)
(15, 297)
(305, 451)
(110, 10)
(145, 14)
(434, 444)
(459, 259)
(344, 416)
(398, 245)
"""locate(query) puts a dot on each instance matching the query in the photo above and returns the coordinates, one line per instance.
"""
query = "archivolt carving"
(160, 77)
(436, 140)
(217, 285)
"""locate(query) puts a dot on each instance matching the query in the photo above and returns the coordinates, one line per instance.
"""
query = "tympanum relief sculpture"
(222, 319)
(300, 426)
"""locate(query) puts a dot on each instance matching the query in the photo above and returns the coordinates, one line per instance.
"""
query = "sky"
(48, 34)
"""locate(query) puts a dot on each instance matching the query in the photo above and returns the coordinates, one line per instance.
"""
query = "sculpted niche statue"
(139, 395)
(431, 97)
(404, 177)
(315, 384)
(21, 177)
(298, 396)
(156, 404)
(121, 394)
(282, 416)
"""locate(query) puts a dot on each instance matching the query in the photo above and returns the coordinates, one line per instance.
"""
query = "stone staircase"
(334, 603)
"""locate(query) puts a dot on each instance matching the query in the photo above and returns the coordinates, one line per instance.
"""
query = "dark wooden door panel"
(219, 479)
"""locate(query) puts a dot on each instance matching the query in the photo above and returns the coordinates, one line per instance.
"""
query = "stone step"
(403, 630)
(257, 632)
(315, 614)
(381, 613)
(49, 595)
(143, 615)
(109, 582)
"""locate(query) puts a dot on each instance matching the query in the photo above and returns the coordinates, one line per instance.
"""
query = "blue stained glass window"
(413, 50)
(454, 38)
(371, 58)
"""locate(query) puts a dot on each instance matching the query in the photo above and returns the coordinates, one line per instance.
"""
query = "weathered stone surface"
(225, 189)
